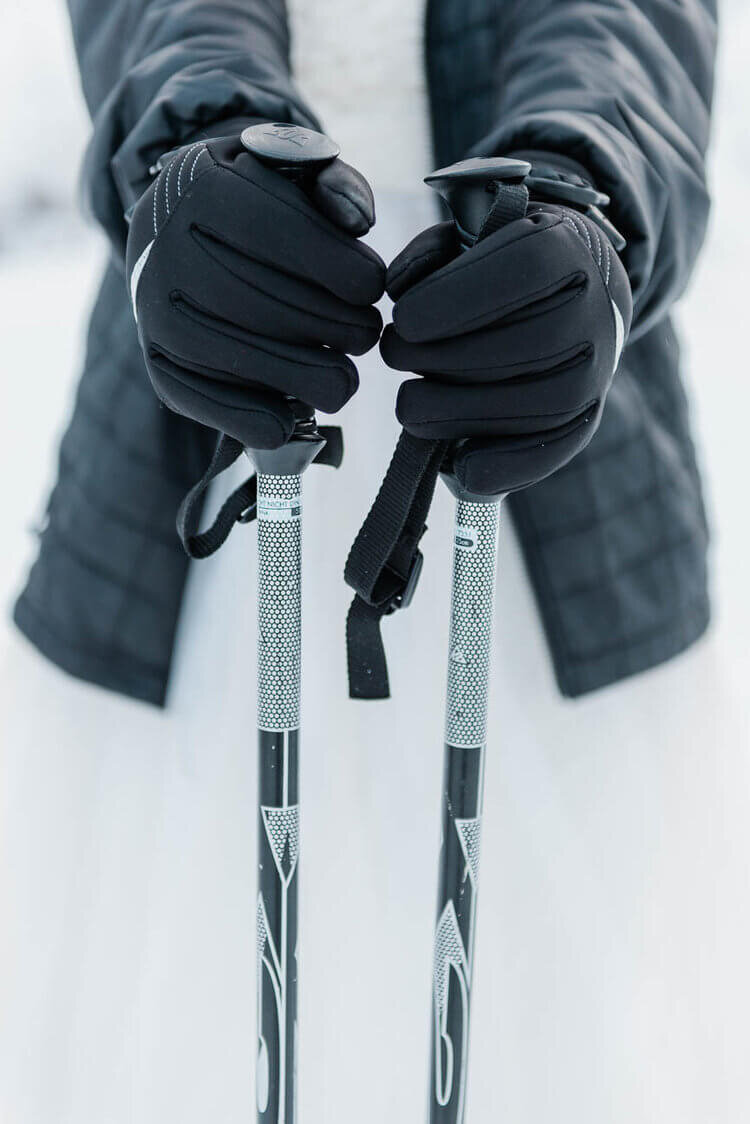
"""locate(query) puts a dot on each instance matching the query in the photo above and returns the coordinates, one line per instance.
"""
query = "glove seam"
(416, 261)
(467, 325)
(524, 449)
(569, 220)
(164, 174)
(576, 410)
(466, 260)
(242, 409)
(326, 189)
(587, 344)
(264, 351)
(266, 264)
(329, 228)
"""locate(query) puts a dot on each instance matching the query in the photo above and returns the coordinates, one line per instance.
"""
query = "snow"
(44, 119)
(131, 1020)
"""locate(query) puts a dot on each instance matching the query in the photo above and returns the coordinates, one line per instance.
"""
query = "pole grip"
(471, 190)
(300, 155)
(483, 195)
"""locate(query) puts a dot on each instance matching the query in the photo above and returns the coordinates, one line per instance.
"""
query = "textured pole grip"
(279, 601)
(475, 539)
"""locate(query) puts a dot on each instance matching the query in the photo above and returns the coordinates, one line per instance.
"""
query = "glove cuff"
(231, 127)
(552, 165)
(565, 182)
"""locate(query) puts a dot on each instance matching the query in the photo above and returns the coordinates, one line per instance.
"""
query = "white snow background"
(49, 262)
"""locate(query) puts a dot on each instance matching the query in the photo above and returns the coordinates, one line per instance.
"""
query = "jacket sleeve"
(158, 72)
(624, 87)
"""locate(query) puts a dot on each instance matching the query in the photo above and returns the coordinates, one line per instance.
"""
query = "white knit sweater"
(360, 66)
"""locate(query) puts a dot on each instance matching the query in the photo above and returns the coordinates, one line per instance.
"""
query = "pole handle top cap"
(289, 148)
(467, 188)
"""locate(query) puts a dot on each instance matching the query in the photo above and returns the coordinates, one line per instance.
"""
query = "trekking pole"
(279, 671)
(471, 191)
(299, 154)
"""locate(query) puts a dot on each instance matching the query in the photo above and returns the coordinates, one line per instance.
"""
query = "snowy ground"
(48, 266)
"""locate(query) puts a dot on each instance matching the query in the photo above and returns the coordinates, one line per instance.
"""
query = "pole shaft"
(279, 668)
(470, 644)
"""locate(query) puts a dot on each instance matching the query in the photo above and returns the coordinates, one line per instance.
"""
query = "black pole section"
(278, 848)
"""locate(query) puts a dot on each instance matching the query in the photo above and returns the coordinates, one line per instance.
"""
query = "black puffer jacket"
(616, 542)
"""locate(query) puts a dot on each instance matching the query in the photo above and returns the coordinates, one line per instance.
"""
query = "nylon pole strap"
(240, 506)
(385, 562)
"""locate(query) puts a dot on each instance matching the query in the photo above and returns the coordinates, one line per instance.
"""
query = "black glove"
(518, 339)
(247, 287)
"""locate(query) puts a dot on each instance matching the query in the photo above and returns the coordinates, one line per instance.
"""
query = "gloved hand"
(247, 287)
(517, 340)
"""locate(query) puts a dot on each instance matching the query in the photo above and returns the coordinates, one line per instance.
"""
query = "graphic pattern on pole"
(470, 836)
(282, 831)
(276, 933)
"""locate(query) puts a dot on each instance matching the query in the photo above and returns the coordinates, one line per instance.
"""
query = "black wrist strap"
(240, 506)
(384, 563)
(511, 201)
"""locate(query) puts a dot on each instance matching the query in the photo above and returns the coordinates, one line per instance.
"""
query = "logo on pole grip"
(279, 509)
(466, 538)
(291, 133)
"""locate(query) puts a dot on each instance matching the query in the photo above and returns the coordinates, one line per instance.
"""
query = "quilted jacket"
(616, 542)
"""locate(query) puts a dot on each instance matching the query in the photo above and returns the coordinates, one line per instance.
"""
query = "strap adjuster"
(405, 596)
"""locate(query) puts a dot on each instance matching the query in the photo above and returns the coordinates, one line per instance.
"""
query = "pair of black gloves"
(249, 288)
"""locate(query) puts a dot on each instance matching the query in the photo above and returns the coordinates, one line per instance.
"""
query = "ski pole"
(465, 188)
(279, 673)
(297, 153)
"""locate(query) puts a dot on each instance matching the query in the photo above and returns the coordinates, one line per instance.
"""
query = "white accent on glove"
(138, 268)
(619, 333)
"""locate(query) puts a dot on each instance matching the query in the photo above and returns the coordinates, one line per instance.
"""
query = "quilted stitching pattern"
(103, 597)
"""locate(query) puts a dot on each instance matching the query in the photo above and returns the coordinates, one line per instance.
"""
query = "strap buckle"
(405, 596)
